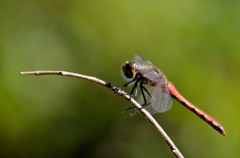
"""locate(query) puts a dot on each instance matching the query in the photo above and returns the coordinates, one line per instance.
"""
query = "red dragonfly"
(159, 92)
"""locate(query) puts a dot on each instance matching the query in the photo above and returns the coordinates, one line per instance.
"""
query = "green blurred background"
(195, 43)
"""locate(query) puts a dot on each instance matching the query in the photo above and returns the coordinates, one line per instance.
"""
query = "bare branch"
(120, 92)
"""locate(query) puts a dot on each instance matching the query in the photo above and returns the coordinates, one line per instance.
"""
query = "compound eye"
(128, 69)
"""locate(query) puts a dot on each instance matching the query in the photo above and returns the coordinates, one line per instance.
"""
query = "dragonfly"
(157, 97)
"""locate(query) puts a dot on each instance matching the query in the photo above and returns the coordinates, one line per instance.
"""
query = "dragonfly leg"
(116, 88)
(129, 83)
(144, 105)
(142, 88)
(134, 89)
(147, 92)
(132, 81)
(128, 109)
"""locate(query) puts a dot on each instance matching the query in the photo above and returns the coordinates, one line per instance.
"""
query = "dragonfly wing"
(160, 102)
(162, 99)
(148, 99)
(141, 62)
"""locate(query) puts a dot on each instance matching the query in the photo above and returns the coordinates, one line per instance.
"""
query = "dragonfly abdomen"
(207, 118)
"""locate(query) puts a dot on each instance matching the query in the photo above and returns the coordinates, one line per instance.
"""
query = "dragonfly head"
(129, 69)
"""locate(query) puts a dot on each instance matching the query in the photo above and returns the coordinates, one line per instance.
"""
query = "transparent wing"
(148, 99)
(141, 62)
(148, 69)
(161, 101)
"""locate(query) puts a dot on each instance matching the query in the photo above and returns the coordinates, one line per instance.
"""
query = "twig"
(120, 92)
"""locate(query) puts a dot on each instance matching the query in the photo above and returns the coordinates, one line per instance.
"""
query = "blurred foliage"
(195, 43)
